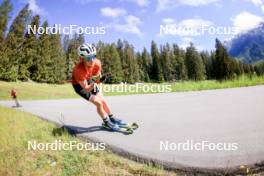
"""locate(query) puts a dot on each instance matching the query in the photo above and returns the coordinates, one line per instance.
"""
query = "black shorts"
(83, 93)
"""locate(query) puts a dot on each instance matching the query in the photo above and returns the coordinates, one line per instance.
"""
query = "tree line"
(51, 57)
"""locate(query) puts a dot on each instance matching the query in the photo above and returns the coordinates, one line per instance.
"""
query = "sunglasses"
(90, 58)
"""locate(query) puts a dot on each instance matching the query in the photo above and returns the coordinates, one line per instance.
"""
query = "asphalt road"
(233, 118)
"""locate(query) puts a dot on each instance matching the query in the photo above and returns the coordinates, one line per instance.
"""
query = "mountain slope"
(248, 47)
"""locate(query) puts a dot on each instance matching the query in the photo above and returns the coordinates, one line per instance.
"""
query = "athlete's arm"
(105, 77)
(96, 77)
(85, 85)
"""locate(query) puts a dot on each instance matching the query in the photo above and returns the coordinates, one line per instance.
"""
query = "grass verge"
(17, 128)
(33, 91)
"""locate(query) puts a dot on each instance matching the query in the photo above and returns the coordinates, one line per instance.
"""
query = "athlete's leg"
(99, 106)
(16, 102)
(97, 101)
(105, 104)
(108, 110)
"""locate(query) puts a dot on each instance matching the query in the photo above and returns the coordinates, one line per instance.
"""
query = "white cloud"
(195, 22)
(83, 2)
(257, 3)
(245, 21)
(141, 3)
(192, 22)
(112, 12)
(164, 5)
(186, 41)
(197, 2)
(192, 25)
(131, 25)
(168, 20)
(33, 6)
(123, 22)
(185, 28)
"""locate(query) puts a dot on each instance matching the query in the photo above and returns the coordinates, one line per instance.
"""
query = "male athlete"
(86, 74)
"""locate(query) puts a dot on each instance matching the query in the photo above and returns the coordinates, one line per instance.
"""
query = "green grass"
(31, 91)
(242, 81)
(17, 128)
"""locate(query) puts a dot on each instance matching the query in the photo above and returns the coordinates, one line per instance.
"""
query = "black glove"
(105, 77)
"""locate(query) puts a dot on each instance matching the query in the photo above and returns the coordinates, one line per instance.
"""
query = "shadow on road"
(74, 130)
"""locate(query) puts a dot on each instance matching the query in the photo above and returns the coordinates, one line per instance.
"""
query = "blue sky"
(139, 21)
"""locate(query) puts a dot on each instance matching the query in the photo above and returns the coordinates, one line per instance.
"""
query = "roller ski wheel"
(132, 126)
(120, 129)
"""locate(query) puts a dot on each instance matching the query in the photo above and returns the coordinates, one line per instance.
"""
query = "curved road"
(170, 123)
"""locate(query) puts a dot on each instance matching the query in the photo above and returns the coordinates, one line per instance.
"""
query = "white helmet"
(87, 51)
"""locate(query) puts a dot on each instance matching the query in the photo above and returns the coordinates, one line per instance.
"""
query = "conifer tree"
(156, 73)
(58, 59)
(30, 51)
(42, 64)
(71, 53)
(222, 62)
(180, 72)
(194, 64)
(166, 62)
(143, 63)
(205, 56)
(130, 66)
(114, 65)
(5, 9)
(14, 43)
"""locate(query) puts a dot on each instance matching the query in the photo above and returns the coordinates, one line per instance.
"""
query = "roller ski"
(116, 128)
(122, 124)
